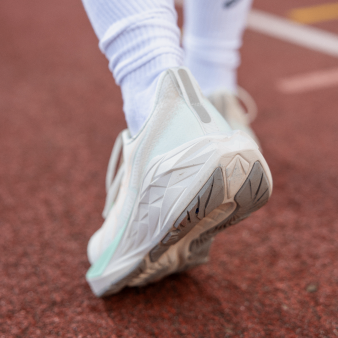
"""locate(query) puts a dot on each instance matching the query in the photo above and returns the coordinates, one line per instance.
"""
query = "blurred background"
(274, 275)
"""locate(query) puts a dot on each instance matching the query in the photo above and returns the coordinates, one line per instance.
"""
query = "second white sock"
(212, 37)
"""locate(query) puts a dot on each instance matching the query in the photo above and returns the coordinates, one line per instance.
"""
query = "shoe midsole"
(237, 152)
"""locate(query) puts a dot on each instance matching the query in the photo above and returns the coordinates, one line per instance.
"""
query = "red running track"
(274, 275)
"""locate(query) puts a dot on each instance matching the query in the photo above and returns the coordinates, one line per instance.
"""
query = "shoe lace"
(248, 102)
(113, 181)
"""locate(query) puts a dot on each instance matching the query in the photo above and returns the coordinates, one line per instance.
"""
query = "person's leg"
(184, 164)
(140, 40)
(212, 37)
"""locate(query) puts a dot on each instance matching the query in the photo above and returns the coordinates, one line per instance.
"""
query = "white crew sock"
(212, 37)
(140, 40)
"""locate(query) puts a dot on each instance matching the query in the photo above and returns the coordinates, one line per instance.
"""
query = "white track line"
(309, 81)
(305, 36)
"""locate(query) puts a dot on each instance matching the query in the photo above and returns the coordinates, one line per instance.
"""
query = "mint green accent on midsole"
(97, 269)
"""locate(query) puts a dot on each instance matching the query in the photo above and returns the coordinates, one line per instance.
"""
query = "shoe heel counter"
(209, 119)
(172, 122)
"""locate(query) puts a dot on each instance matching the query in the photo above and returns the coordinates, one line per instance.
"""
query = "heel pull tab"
(190, 93)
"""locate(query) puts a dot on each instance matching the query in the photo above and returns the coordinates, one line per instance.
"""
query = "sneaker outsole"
(188, 242)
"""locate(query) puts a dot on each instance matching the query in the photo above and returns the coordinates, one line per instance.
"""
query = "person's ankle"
(138, 102)
(139, 87)
(212, 76)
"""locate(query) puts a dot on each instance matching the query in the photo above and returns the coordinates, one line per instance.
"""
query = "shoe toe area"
(93, 248)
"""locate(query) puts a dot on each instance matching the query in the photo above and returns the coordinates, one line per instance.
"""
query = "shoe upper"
(229, 107)
(180, 114)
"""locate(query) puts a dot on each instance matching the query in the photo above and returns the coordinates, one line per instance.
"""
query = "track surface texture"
(273, 275)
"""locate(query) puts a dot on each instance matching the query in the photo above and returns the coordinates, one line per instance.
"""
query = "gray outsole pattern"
(208, 198)
(253, 194)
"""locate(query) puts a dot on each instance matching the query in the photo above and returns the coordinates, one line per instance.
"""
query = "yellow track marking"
(313, 14)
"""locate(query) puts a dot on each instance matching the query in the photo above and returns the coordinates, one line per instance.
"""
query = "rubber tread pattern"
(208, 198)
(253, 194)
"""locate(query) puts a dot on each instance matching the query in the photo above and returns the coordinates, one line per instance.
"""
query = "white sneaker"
(229, 107)
(185, 177)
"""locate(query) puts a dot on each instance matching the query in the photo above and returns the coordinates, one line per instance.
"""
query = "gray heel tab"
(188, 88)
